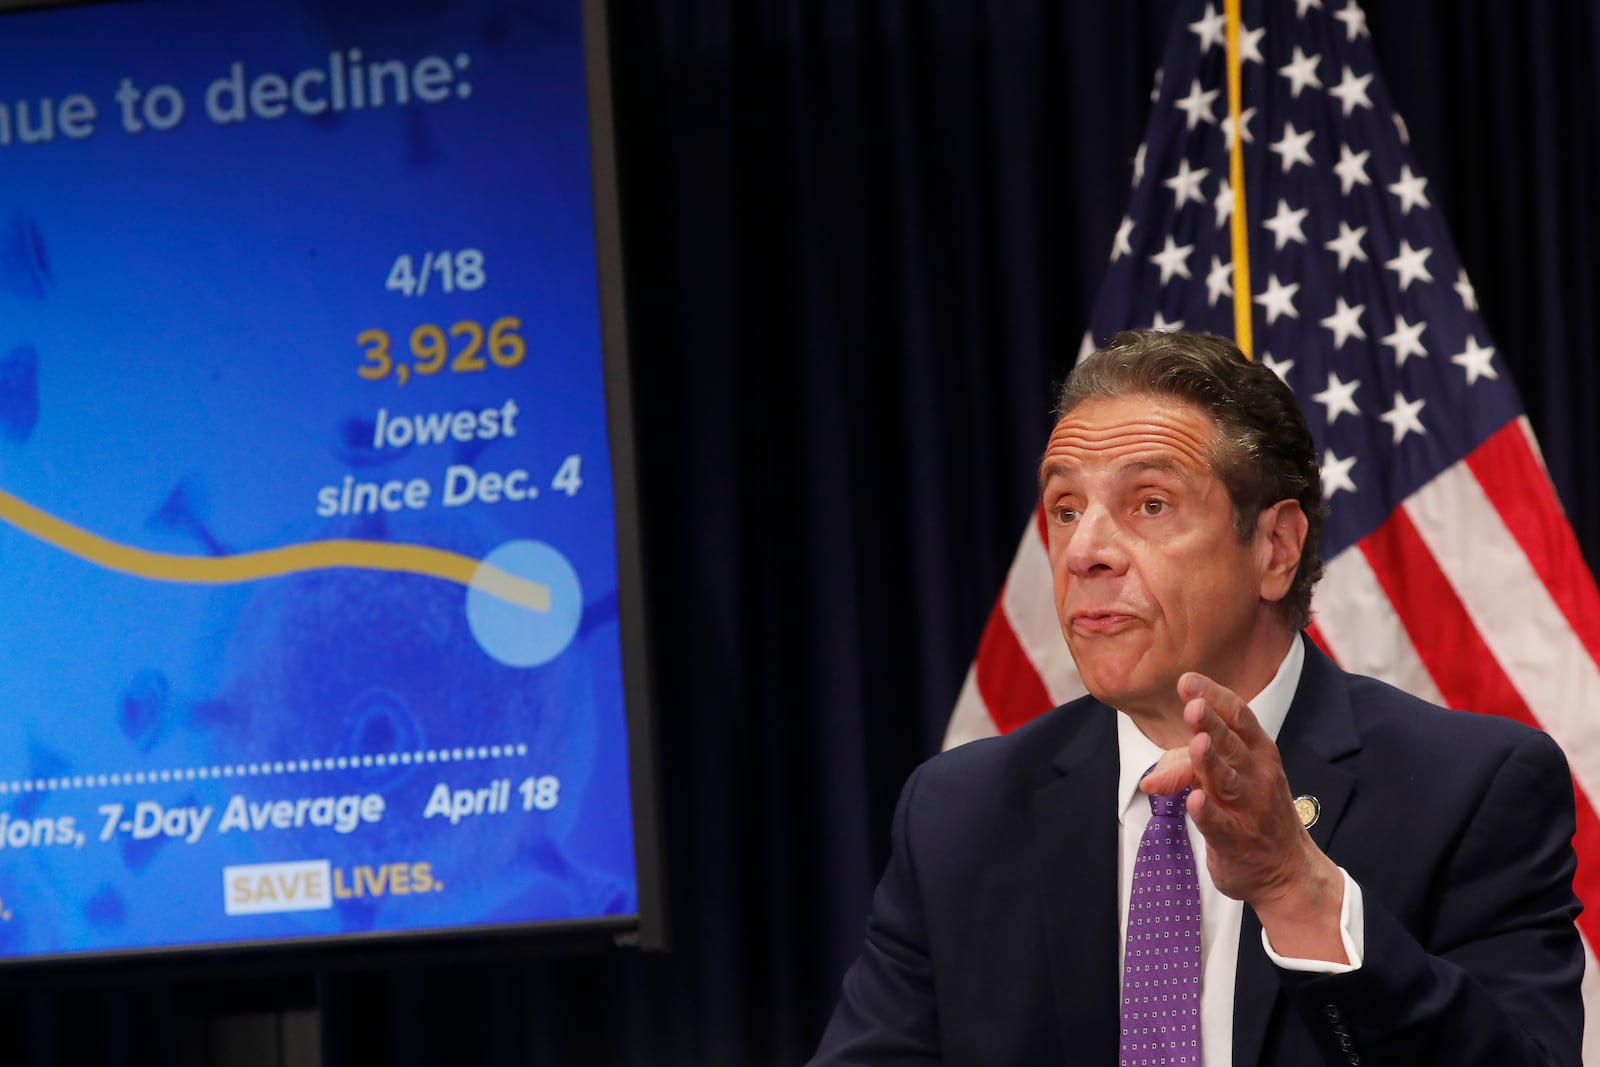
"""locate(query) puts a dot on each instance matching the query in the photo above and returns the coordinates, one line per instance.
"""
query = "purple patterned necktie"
(1161, 966)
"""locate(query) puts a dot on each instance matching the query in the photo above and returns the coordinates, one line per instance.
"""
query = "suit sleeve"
(1489, 975)
(887, 1016)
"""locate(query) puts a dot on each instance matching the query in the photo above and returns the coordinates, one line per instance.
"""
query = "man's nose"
(1095, 543)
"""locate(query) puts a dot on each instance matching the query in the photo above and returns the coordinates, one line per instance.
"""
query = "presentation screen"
(318, 589)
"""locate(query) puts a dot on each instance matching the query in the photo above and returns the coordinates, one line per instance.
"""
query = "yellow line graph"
(274, 562)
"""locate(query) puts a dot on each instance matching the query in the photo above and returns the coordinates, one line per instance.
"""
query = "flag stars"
(1122, 243)
(1197, 105)
(1161, 324)
(1280, 367)
(1212, 29)
(1463, 288)
(1411, 190)
(1301, 72)
(1138, 167)
(1475, 361)
(1348, 244)
(1406, 340)
(1250, 45)
(1244, 123)
(1294, 148)
(1345, 322)
(1285, 225)
(1354, 19)
(1173, 259)
(1410, 265)
(1185, 185)
(1302, 6)
(1278, 300)
(1352, 168)
(1338, 398)
(1352, 91)
(1336, 474)
(1404, 417)
(1219, 281)
(1223, 202)
(1086, 346)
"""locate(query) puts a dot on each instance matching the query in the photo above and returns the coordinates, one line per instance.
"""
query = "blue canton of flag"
(1360, 303)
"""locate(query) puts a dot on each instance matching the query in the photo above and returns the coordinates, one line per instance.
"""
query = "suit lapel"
(1075, 849)
(1317, 736)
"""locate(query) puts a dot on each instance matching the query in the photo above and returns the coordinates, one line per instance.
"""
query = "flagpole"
(1240, 220)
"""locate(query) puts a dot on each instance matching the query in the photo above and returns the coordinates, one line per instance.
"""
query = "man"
(1379, 881)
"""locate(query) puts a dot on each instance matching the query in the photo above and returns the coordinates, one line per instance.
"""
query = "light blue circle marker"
(519, 636)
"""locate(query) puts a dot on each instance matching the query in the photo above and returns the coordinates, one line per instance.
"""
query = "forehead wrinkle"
(1125, 470)
(1156, 465)
(1122, 442)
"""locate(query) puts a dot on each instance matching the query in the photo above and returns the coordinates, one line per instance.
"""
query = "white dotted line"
(261, 770)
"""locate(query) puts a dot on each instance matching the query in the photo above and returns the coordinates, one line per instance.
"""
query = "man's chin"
(1125, 690)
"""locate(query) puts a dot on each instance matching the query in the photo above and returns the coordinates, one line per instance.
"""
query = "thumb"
(1173, 771)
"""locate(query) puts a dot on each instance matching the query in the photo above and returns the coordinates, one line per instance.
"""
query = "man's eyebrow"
(1050, 470)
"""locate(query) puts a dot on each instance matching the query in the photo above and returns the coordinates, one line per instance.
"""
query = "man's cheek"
(1061, 583)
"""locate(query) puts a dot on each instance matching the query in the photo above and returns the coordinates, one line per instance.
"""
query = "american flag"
(1451, 569)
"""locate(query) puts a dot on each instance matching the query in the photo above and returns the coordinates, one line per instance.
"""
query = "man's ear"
(1280, 538)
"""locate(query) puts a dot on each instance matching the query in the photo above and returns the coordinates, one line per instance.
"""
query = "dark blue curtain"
(862, 237)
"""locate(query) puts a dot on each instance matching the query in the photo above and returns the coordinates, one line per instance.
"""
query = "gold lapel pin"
(1308, 808)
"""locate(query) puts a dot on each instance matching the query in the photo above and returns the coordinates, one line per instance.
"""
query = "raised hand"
(1256, 849)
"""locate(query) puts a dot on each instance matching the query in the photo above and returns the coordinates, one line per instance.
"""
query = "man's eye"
(1066, 515)
(1153, 507)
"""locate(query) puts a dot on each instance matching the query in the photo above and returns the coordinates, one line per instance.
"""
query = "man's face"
(1151, 579)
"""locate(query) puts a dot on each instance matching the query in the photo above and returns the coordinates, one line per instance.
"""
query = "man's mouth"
(1101, 622)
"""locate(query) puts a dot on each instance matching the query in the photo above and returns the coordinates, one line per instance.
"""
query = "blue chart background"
(178, 314)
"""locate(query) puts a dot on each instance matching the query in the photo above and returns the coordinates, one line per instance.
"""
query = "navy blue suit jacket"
(992, 938)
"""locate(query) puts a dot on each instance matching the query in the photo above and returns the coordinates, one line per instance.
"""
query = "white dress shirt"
(1220, 916)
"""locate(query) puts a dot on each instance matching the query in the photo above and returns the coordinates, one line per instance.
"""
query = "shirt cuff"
(1352, 930)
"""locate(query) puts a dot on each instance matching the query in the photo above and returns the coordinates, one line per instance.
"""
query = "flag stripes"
(1355, 625)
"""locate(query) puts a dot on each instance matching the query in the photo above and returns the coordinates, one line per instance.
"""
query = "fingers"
(1214, 754)
(1240, 801)
(1232, 757)
(1233, 711)
(1218, 754)
(1217, 757)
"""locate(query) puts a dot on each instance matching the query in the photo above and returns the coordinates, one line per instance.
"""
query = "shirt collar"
(1137, 753)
